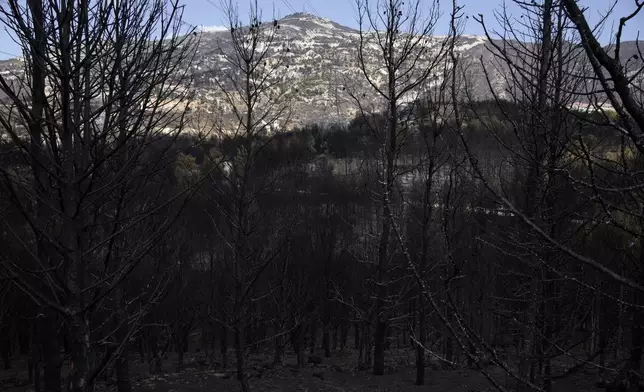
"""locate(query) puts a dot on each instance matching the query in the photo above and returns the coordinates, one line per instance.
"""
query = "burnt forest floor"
(337, 373)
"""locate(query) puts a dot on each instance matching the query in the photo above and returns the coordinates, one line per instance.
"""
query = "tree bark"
(37, 378)
(6, 354)
(620, 326)
(335, 338)
(34, 355)
(420, 348)
(122, 362)
(122, 366)
(50, 352)
(180, 345)
(314, 335)
(637, 340)
(360, 329)
(223, 341)
(240, 350)
(298, 345)
(279, 342)
(368, 344)
(344, 331)
(449, 351)
(326, 338)
(141, 348)
(24, 339)
(80, 352)
(356, 336)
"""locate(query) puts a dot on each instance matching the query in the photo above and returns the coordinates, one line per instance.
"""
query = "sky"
(209, 13)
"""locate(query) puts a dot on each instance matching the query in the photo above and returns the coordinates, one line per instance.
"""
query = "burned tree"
(400, 32)
(98, 94)
(257, 103)
(553, 151)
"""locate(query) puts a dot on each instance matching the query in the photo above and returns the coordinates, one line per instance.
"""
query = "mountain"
(322, 65)
(322, 70)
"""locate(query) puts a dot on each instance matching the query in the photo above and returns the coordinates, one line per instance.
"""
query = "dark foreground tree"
(401, 33)
(554, 154)
(257, 106)
(103, 84)
(617, 72)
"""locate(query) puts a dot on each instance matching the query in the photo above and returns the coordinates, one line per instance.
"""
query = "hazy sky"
(208, 13)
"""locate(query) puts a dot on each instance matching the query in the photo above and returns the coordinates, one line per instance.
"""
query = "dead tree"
(540, 86)
(545, 79)
(256, 100)
(102, 83)
(617, 72)
(400, 33)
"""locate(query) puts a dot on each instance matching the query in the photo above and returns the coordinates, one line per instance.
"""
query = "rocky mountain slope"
(322, 66)
(322, 72)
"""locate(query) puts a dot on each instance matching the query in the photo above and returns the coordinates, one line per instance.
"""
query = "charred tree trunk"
(637, 337)
(24, 339)
(179, 346)
(326, 321)
(326, 338)
(335, 338)
(297, 339)
(356, 336)
(122, 362)
(344, 332)
(368, 345)
(141, 347)
(279, 350)
(279, 342)
(223, 341)
(122, 367)
(6, 352)
(620, 326)
(37, 377)
(420, 348)
(240, 352)
(50, 353)
(360, 343)
(314, 334)
(449, 352)
(34, 356)
(379, 348)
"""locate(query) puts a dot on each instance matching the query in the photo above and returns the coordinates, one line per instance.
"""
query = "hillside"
(322, 70)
